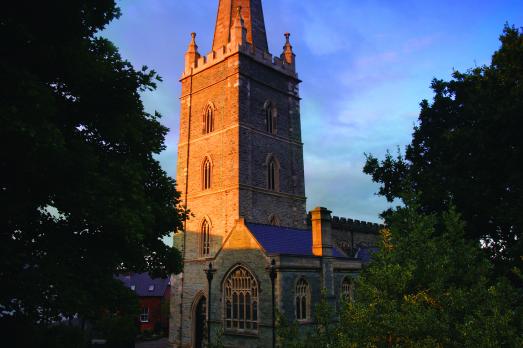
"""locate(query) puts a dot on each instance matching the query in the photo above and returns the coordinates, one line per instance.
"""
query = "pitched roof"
(144, 285)
(365, 253)
(285, 240)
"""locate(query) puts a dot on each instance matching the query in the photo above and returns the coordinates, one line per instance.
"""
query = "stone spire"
(252, 14)
(191, 55)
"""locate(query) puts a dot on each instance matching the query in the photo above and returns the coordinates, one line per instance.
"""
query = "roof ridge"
(275, 226)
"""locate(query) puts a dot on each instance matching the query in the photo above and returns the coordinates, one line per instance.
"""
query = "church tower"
(240, 155)
(240, 152)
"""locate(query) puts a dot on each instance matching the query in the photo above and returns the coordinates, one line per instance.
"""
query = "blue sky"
(365, 66)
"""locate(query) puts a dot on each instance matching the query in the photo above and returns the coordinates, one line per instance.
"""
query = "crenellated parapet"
(239, 43)
(352, 225)
(214, 57)
(349, 235)
(357, 226)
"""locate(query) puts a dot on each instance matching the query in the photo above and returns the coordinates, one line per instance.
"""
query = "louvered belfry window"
(241, 301)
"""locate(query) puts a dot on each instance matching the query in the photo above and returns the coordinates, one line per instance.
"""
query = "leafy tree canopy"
(81, 194)
(427, 286)
(467, 151)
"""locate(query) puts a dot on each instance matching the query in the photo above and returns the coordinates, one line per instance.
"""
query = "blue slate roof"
(142, 282)
(285, 240)
(365, 253)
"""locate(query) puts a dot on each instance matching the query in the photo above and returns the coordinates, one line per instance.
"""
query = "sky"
(365, 66)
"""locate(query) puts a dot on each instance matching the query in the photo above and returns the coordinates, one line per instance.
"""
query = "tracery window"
(302, 300)
(208, 120)
(206, 174)
(241, 300)
(347, 289)
(270, 117)
(205, 242)
(272, 175)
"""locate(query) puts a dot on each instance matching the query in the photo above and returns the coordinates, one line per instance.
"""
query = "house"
(153, 294)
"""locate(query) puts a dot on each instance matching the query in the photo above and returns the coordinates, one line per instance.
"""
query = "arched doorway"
(200, 323)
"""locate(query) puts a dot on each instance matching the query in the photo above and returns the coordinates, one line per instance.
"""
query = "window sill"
(232, 332)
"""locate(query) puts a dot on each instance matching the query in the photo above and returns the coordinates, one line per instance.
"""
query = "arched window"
(274, 220)
(302, 300)
(241, 300)
(205, 241)
(347, 289)
(208, 120)
(206, 174)
(270, 117)
(273, 175)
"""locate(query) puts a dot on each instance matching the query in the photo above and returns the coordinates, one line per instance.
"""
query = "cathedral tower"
(240, 157)
(240, 151)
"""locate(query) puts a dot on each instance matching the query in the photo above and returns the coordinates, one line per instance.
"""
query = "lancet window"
(272, 175)
(206, 174)
(208, 120)
(270, 117)
(241, 301)
(274, 220)
(205, 239)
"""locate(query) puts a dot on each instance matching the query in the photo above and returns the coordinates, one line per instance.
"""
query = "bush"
(119, 331)
(22, 333)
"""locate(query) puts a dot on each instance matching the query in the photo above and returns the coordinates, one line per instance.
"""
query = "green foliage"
(324, 332)
(20, 332)
(466, 151)
(428, 286)
(82, 196)
(217, 339)
(432, 288)
(118, 329)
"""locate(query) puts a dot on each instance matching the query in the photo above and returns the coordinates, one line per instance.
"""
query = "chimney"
(321, 232)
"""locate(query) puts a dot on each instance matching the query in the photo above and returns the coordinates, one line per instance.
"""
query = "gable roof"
(143, 282)
(285, 240)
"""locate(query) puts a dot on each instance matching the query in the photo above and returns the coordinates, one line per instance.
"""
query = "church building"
(249, 246)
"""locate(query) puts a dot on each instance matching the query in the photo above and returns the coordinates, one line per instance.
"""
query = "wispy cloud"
(366, 65)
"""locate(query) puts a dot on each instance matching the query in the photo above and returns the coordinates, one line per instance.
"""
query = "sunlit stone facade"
(241, 174)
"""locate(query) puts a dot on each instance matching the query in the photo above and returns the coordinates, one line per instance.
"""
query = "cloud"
(365, 67)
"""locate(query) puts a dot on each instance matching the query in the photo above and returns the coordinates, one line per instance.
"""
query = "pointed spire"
(253, 22)
(191, 55)
(288, 56)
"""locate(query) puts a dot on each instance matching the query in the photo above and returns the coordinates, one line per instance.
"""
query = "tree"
(427, 286)
(467, 151)
(82, 195)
